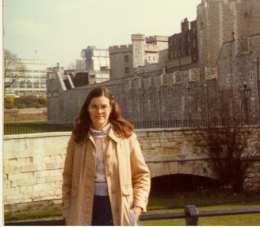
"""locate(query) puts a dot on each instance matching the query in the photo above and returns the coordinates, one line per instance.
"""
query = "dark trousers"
(102, 214)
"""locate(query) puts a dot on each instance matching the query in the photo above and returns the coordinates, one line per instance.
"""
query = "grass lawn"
(245, 219)
(208, 200)
(32, 127)
(176, 203)
(33, 214)
(203, 198)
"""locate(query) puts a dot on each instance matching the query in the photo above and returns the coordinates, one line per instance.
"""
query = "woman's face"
(99, 111)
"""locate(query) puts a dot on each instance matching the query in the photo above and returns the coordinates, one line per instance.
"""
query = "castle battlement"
(156, 38)
(150, 47)
(137, 37)
(120, 48)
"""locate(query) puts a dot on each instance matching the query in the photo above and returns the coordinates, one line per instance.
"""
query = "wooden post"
(191, 215)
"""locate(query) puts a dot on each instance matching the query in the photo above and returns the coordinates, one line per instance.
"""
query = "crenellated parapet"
(156, 38)
(120, 49)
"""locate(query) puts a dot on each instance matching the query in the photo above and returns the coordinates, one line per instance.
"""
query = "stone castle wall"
(171, 96)
(178, 95)
(242, 72)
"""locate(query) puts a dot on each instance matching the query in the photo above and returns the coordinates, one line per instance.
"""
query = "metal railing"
(191, 215)
(169, 124)
(23, 128)
(195, 123)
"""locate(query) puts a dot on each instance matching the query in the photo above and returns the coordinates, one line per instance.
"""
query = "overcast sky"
(57, 30)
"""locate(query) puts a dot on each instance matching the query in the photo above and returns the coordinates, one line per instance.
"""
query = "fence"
(172, 124)
(191, 215)
(24, 128)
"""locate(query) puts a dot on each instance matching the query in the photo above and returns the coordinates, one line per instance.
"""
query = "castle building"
(220, 21)
(183, 46)
(125, 59)
(217, 52)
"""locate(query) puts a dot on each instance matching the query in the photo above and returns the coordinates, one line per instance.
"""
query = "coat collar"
(111, 134)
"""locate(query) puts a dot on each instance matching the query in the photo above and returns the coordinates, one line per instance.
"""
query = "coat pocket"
(127, 190)
(127, 193)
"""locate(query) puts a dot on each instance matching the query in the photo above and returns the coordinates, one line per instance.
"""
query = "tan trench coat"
(128, 179)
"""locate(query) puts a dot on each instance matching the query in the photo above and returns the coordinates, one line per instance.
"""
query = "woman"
(105, 178)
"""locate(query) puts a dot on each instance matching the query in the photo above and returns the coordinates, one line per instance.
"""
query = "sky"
(57, 30)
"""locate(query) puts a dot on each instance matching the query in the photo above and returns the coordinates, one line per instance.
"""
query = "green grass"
(34, 214)
(176, 203)
(208, 200)
(179, 200)
(32, 127)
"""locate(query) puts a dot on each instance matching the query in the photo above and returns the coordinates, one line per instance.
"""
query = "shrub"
(25, 102)
(42, 101)
(9, 102)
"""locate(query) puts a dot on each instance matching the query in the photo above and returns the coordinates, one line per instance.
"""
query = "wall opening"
(182, 183)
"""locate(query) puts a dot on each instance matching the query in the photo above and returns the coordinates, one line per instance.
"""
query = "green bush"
(9, 102)
(25, 102)
(42, 101)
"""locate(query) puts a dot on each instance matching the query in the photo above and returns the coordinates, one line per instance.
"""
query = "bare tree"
(225, 139)
(13, 68)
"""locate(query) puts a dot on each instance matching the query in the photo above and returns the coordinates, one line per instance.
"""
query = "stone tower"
(138, 45)
(220, 21)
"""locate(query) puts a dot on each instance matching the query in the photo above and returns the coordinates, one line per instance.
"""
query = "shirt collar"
(100, 133)
(111, 133)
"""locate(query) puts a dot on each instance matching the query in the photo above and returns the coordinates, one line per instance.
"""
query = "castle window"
(126, 58)
(251, 75)
(126, 70)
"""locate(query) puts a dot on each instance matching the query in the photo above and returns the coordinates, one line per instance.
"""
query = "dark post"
(160, 106)
(246, 96)
(191, 215)
(189, 104)
(206, 105)
(258, 87)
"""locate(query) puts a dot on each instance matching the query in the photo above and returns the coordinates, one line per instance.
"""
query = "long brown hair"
(121, 126)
